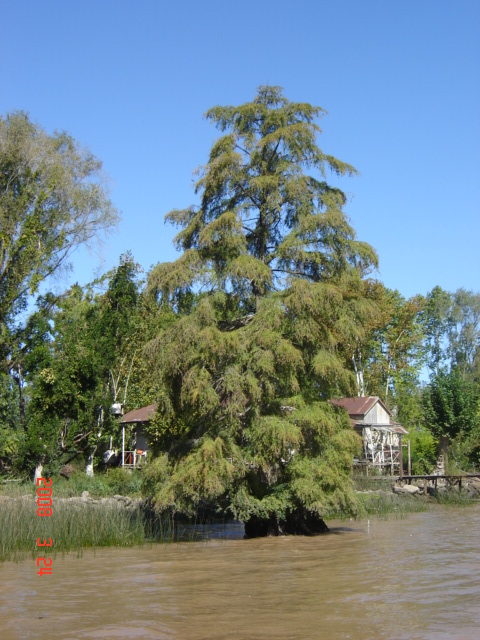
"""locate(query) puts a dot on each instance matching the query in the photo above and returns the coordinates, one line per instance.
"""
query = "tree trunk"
(21, 399)
(359, 375)
(90, 457)
(89, 467)
(38, 473)
(296, 523)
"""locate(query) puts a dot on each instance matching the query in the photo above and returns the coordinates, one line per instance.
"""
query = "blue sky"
(400, 81)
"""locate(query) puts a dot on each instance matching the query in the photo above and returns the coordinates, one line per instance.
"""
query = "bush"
(114, 481)
(102, 485)
(424, 450)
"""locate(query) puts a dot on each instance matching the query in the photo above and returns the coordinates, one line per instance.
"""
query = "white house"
(382, 438)
(135, 421)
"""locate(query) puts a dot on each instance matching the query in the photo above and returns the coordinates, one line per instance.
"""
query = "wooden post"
(400, 457)
(123, 447)
(409, 458)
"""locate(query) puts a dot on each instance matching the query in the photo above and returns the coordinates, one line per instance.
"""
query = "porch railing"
(134, 458)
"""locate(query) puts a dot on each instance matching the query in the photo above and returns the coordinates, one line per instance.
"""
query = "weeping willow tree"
(278, 298)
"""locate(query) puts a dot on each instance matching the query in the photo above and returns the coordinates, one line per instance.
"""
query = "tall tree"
(464, 332)
(436, 320)
(451, 399)
(10, 424)
(87, 366)
(452, 411)
(393, 356)
(279, 303)
(258, 226)
(52, 199)
(452, 330)
(64, 386)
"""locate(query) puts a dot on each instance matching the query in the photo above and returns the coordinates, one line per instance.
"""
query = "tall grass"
(383, 505)
(73, 527)
(453, 496)
(363, 482)
(115, 481)
(386, 505)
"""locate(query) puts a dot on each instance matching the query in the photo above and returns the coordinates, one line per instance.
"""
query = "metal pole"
(123, 447)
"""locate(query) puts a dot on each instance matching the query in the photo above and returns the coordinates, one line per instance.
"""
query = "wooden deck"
(451, 480)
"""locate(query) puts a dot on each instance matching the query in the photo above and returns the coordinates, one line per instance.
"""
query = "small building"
(135, 421)
(382, 437)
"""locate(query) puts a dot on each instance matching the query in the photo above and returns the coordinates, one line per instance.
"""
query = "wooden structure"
(135, 421)
(382, 438)
(450, 480)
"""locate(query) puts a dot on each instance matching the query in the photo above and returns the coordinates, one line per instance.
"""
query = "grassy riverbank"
(97, 521)
(73, 527)
(102, 521)
(376, 499)
(382, 503)
(102, 485)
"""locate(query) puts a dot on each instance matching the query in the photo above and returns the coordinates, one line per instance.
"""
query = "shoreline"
(83, 522)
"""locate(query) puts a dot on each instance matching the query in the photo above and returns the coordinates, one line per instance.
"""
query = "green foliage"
(385, 505)
(464, 333)
(424, 450)
(435, 320)
(452, 410)
(452, 328)
(451, 400)
(105, 484)
(464, 454)
(451, 404)
(456, 498)
(262, 221)
(84, 361)
(278, 300)
(11, 435)
(393, 354)
(64, 393)
(52, 199)
(409, 407)
(74, 527)
(114, 481)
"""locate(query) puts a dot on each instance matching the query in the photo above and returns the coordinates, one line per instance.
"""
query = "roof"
(144, 414)
(359, 406)
(398, 428)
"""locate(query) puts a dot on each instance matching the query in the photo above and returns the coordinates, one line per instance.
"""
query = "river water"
(417, 577)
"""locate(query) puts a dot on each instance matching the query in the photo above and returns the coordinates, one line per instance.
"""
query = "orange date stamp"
(44, 509)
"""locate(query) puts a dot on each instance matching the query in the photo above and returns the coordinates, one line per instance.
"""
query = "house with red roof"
(382, 446)
(369, 416)
(133, 432)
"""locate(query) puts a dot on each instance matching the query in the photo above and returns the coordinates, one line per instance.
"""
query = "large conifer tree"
(275, 285)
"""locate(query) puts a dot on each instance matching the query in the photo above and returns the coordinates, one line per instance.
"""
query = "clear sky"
(400, 81)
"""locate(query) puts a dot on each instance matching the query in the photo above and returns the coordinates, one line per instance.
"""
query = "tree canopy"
(278, 302)
(262, 220)
(271, 310)
(52, 199)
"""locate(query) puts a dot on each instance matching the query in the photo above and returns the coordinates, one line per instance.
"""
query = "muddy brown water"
(417, 577)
